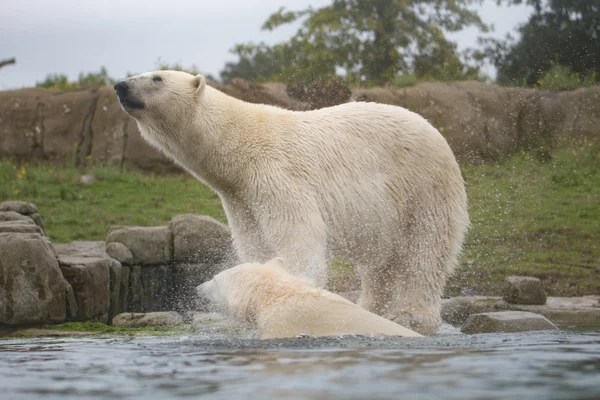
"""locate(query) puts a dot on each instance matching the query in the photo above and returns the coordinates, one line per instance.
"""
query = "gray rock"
(115, 288)
(119, 252)
(184, 279)
(18, 206)
(23, 226)
(200, 239)
(457, 309)
(148, 245)
(523, 290)
(90, 279)
(83, 249)
(124, 291)
(506, 321)
(32, 287)
(155, 288)
(23, 208)
(71, 303)
(13, 216)
(136, 291)
(147, 319)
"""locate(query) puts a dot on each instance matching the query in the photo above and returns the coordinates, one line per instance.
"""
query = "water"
(540, 365)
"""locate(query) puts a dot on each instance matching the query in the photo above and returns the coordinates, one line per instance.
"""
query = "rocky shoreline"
(144, 277)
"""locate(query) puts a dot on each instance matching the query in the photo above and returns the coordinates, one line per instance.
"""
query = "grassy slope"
(526, 215)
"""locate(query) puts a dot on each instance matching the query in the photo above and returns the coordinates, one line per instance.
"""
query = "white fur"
(372, 184)
(281, 305)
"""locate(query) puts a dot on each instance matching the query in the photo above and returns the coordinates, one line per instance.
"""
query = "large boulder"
(135, 320)
(524, 290)
(81, 248)
(13, 216)
(200, 239)
(148, 288)
(32, 287)
(23, 208)
(90, 280)
(148, 245)
(23, 226)
(506, 321)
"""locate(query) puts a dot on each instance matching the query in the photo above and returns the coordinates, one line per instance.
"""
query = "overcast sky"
(71, 36)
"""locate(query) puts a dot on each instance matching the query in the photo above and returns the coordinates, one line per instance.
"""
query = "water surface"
(539, 365)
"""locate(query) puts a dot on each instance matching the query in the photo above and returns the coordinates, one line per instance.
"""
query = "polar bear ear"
(199, 82)
(278, 261)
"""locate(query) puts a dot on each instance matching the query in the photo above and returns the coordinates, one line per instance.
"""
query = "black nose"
(121, 87)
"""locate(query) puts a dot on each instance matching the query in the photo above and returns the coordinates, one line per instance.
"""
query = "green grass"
(74, 211)
(528, 217)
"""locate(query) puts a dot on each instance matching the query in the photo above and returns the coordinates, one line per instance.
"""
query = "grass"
(528, 217)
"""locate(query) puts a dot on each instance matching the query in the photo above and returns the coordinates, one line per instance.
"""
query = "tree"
(8, 61)
(559, 32)
(372, 40)
(256, 62)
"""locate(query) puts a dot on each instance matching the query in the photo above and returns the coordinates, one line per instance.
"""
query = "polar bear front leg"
(300, 239)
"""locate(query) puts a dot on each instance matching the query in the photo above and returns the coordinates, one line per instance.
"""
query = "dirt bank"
(481, 121)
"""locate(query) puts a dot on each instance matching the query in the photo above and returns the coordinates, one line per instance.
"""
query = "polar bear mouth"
(128, 101)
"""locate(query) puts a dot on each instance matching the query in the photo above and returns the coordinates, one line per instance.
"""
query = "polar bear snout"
(127, 99)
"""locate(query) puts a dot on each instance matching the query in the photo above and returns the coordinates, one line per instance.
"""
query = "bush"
(560, 77)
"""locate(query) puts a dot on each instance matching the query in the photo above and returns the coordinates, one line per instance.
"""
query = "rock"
(124, 291)
(184, 279)
(155, 288)
(147, 319)
(119, 252)
(71, 303)
(561, 310)
(20, 207)
(136, 291)
(22, 226)
(506, 321)
(115, 288)
(23, 208)
(90, 279)
(13, 216)
(83, 249)
(457, 309)
(148, 245)
(524, 290)
(200, 239)
(32, 287)
(86, 179)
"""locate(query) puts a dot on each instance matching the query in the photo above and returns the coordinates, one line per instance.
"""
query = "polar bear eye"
(157, 78)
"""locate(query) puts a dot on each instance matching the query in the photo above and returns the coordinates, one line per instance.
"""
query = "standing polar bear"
(372, 184)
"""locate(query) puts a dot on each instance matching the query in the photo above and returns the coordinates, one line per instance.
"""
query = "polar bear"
(280, 305)
(371, 184)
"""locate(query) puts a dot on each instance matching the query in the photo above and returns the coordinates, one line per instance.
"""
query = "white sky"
(72, 36)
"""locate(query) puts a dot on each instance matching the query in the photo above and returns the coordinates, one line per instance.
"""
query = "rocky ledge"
(146, 276)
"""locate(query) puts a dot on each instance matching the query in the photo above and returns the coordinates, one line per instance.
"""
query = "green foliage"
(257, 62)
(73, 211)
(564, 32)
(90, 80)
(370, 41)
(560, 77)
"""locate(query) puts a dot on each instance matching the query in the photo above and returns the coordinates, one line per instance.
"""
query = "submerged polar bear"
(372, 184)
(280, 305)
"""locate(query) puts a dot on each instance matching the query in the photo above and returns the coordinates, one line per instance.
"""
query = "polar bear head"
(162, 102)
(247, 289)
